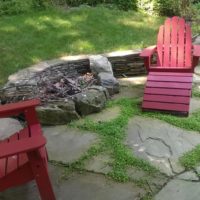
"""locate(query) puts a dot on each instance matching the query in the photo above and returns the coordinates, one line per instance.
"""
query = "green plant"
(191, 159)
(41, 4)
(167, 7)
(121, 4)
(9, 7)
(15, 6)
(196, 18)
(112, 134)
(146, 5)
(126, 5)
(183, 8)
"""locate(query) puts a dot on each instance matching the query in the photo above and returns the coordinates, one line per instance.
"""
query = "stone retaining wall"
(124, 63)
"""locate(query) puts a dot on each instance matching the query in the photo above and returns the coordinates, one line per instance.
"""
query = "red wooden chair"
(23, 156)
(169, 81)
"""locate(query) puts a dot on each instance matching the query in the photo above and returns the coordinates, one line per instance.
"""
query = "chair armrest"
(17, 108)
(21, 146)
(196, 50)
(148, 52)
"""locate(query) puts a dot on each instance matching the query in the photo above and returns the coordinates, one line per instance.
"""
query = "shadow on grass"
(30, 38)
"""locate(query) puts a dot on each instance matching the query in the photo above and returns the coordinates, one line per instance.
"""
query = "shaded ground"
(85, 186)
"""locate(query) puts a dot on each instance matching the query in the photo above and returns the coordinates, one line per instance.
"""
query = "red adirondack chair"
(23, 156)
(169, 81)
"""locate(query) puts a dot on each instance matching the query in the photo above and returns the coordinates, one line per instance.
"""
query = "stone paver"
(155, 182)
(179, 190)
(67, 144)
(160, 143)
(131, 87)
(8, 126)
(194, 105)
(78, 187)
(99, 164)
(129, 92)
(188, 176)
(106, 114)
(132, 81)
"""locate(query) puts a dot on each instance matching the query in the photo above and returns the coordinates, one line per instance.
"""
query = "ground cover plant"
(112, 134)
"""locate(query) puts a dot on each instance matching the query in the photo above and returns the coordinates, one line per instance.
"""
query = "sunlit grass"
(191, 159)
(29, 38)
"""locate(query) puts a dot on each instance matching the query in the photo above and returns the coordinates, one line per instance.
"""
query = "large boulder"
(102, 68)
(108, 81)
(57, 113)
(100, 64)
(90, 101)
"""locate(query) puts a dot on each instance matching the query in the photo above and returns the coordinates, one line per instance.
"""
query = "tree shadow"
(29, 38)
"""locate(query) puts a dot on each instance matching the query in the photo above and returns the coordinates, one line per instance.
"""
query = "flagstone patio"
(153, 140)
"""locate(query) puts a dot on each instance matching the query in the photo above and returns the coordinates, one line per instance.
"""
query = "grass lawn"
(30, 38)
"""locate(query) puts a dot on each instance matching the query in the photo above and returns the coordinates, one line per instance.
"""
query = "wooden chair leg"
(42, 179)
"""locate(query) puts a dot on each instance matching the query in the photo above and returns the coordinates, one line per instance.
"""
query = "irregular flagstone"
(66, 144)
(194, 105)
(179, 190)
(160, 143)
(8, 127)
(132, 81)
(86, 186)
(99, 164)
(188, 176)
(129, 92)
(131, 87)
(106, 114)
(93, 186)
(155, 181)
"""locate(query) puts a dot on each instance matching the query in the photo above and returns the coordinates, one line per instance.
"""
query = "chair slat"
(175, 78)
(174, 85)
(181, 45)
(188, 46)
(174, 41)
(168, 91)
(3, 163)
(167, 40)
(160, 43)
(171, 74)
(165, 106)
(23, 157)
(12, 160)
(166, 98)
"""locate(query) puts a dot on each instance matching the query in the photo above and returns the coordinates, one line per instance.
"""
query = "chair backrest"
(174, 44)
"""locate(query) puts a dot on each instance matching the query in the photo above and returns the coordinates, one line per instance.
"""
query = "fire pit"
(67, 89)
